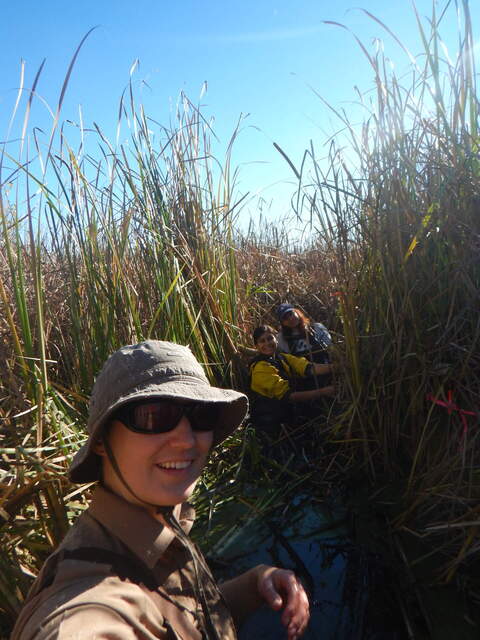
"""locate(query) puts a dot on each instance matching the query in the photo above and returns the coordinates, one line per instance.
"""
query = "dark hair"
(303, 326)
(259, 331)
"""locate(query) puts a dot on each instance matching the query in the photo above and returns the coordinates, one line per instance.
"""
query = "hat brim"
(86, 464)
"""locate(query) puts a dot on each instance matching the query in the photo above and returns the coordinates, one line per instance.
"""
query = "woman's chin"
(169, 497)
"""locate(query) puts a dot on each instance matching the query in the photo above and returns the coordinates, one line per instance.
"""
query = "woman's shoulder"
(321, 331)
(88, 606)
(261, 362)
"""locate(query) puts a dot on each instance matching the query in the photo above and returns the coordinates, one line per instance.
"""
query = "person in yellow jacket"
(272, 382)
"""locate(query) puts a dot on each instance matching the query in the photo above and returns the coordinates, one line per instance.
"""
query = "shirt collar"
(145, 536)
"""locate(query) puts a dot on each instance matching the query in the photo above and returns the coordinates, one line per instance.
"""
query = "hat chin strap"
(118, 473)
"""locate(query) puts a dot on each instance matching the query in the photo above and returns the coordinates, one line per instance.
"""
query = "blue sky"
(258, 58)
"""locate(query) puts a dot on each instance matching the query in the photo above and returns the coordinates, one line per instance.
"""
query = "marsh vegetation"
(140, 240)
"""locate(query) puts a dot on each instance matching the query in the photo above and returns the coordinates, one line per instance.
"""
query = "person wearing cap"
(127, 569)
(301, 337)
(273, 382)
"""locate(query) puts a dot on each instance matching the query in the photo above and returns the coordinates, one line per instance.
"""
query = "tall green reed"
(401, 219)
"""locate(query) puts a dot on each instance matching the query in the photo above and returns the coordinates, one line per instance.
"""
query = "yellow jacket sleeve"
(298, 364)
(266, 381)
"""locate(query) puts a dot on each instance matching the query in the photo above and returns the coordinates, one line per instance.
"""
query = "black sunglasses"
(163, 415)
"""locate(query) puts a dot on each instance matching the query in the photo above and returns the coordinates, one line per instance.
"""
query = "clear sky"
(258, 57)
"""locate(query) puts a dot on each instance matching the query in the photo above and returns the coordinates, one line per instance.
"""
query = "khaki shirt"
(87, 599)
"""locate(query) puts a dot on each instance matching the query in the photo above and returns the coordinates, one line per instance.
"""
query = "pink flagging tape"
(450, 406)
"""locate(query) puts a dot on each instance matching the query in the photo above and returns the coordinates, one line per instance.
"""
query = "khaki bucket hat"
(151, 369)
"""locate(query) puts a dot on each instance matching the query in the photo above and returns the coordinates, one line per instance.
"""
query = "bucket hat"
(151, 369)
(284, 308)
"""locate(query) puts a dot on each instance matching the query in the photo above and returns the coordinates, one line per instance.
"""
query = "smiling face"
(161, 469)
(290, 319)
(266, 344)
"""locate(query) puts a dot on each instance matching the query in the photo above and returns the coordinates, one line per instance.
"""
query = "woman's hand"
(326, 391)
(280, 588)
(322, 369)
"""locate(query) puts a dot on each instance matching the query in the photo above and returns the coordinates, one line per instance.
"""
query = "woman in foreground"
(128, 569)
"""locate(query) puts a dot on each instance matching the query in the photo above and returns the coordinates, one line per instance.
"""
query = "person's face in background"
(290, 319)
(266, 344)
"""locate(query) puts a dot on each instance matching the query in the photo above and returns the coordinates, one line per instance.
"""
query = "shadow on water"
(345, 584)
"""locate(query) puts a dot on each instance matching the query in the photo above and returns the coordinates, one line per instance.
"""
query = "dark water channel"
(345, 587)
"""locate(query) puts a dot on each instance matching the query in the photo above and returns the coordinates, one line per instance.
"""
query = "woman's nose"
(182, 435)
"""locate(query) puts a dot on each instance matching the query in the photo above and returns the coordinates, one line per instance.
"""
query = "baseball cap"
(284, 308)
